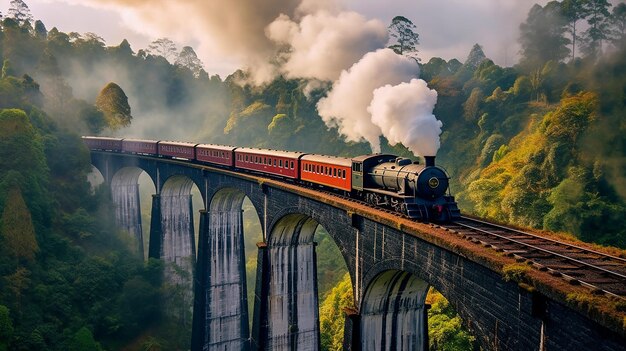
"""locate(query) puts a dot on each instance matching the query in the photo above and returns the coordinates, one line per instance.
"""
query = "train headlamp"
(433, 182)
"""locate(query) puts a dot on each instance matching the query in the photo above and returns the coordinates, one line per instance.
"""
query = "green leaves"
(112, 101)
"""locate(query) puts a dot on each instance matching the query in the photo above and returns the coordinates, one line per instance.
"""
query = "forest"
(541, 144)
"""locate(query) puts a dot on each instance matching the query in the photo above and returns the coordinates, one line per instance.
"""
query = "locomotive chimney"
(430, 161)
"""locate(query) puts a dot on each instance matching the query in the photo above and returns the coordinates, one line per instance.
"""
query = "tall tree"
(541, 36)
(20, 12)
(17, 227)
(598, 30)
(573, 11)
(163, 47)
(618, 28)
(113, 102)
(475, 57)
(407, 39)
(40, 30)
(188, 58)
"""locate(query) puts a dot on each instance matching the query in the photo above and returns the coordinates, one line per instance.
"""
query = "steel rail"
(623, 260)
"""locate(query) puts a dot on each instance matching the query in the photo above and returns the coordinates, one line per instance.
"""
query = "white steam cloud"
(404, 113)
(323, 44)
(356, 96)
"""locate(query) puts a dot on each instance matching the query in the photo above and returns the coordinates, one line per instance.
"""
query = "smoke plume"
(321, 45)
(346, 106)
(404, 113)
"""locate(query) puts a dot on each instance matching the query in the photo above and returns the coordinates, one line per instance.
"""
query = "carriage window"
(334, 172)
(280, 163)
(291, 165)
(274, 162)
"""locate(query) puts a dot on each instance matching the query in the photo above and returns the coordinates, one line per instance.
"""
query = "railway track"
(602, 273)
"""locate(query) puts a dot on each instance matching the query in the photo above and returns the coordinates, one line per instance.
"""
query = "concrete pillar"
(293, 305)
(156, 232)
(200, 284)
(260, 321)
(225, 312)
(125, 196)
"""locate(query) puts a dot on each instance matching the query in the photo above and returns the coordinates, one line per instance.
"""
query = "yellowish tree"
(113, 103)
(17, 227)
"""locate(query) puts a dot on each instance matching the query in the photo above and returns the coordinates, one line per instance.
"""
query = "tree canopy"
(405, 35)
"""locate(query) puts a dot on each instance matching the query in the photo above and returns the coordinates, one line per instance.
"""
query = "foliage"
(514, 272)
(113, 103)
(403, 31)
(17, 227)
(445, 329)
(332, 316)
(542, 37)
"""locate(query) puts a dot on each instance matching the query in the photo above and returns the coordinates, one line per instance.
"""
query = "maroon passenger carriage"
(280, 163)
(177, 149)
(215, 154)
(103, 143)
(139, 146)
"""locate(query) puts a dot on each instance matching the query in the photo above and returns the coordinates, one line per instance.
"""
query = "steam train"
(417, 190)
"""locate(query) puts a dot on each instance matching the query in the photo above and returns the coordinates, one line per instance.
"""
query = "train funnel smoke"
(373, 98)
(346, 106)
(404, 113)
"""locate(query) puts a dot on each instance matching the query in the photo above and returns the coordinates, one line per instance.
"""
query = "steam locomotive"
(417, 190)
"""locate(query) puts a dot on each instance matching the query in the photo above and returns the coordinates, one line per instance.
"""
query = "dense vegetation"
(540, 144)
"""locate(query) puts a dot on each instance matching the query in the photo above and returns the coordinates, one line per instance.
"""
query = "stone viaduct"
(392, 262)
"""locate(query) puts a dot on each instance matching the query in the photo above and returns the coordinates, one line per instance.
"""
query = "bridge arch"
(393, 312)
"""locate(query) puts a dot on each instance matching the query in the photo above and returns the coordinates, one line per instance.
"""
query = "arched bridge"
(392, 261)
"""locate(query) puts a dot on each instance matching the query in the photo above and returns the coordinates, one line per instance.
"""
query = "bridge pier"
(292, 303)
(221, 302)
(125, 196)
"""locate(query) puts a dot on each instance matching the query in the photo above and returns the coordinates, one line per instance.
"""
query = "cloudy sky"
(447, 28)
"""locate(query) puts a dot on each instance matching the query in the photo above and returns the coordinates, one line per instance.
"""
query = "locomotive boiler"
(417, 190)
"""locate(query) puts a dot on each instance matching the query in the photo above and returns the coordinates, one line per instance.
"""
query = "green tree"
(574, 11)
(112, 101)
(163, 47)
(406, 38)
(19, 11)
(598, 30)
(17, 227)
(618, 22)
(332, 316)
(6, 328)
(83, 341)
(475, 58)
(541, 36)
(40, 30)
(188, 59)
(445, 328)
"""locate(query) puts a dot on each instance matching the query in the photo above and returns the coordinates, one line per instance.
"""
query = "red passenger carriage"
(280, 163)
(334, 172)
